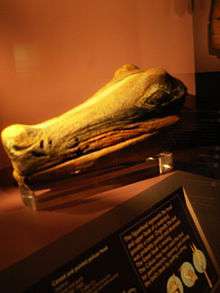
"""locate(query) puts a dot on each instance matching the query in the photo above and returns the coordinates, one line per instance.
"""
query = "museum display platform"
(35, 244)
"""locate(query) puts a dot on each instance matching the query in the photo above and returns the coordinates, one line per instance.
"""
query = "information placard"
(162, 250)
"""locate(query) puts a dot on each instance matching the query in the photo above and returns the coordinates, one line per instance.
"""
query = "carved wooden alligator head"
(133, 105)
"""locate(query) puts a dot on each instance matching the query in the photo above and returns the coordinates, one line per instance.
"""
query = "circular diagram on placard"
(199, 261)
(174, 285)
(188, 274)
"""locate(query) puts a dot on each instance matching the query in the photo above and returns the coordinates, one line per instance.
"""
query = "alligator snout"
(18, 138)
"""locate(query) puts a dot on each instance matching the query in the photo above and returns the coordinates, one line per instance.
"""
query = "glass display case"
(105, 158)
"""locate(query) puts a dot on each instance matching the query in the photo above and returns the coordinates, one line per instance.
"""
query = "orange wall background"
(54, 54)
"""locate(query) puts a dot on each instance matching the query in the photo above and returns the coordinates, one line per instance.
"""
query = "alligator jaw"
(102, 148)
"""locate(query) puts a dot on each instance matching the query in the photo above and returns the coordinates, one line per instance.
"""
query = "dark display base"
(149, 254)
(108, 252)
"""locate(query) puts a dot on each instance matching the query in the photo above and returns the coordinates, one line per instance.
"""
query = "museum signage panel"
(162, 250)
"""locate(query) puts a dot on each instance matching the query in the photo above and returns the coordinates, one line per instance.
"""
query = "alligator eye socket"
(159, 97)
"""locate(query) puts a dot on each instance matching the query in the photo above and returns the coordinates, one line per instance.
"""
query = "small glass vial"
(165, 162)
